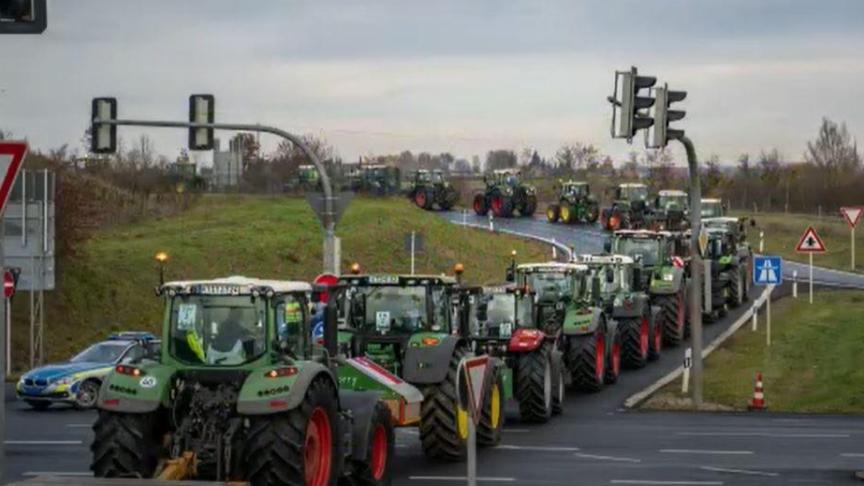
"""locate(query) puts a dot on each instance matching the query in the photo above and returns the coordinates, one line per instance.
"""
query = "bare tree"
(833, 152)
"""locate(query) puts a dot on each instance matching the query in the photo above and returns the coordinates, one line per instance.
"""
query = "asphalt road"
(594, 442)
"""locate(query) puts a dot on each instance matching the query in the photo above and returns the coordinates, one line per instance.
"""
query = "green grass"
(812, 365)
(782, 232)
(109, 285)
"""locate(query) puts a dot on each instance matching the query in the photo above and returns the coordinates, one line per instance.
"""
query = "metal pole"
(472, 453)
(811, 277)
(761, 242)
(696, 267)
(3, 374)
(755, 323)
(412, 253)
(8, 336)
(853, 248)
(330, 262)
(795, 284)
(768, 318)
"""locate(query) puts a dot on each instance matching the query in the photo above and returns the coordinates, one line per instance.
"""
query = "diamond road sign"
(767, 270)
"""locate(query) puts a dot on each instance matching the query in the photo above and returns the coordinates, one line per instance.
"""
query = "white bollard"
(491, 224)
(685, 377)
(755, 325)
(554, 250)
(761, 242)
(795, 284)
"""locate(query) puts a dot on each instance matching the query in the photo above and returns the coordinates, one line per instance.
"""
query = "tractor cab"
(559, 288)
(713, 208)
(497, 312)
(631, 191)
(575, 189)
(508, 177)
(611, 276)
(671, 199)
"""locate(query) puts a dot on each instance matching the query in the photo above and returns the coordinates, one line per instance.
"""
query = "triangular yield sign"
(11, 157)
(810, 242)
(852, 215)
(475, 377)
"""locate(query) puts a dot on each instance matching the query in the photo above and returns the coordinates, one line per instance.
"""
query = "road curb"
(639, 397)
(560, 246)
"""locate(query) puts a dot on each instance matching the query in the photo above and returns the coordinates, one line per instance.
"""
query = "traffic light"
(627, 104)
(661, 133)
(23, 16)
(103, 137)
(201, 110)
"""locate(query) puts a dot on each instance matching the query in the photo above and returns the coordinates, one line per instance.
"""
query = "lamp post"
(162, 258)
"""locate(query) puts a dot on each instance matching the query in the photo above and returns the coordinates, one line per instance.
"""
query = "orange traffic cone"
(758, 402)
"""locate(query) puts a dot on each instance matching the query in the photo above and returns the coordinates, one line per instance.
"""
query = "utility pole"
(696, 268)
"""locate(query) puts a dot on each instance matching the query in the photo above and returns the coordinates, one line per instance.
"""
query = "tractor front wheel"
(567, 214)
(530, 205)
(502, 206)
(443, 423)
(125, 445)
(636, 334)
(480, 206)
(376, 469)
(297, 447)
(553, 212)
(533, 387)
(656, 340)
(672, 313)
(449, 197)
(492, 418)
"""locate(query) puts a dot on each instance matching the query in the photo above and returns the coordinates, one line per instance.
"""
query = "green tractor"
(619, 292)
(670, 210)
(664, 275)
(590, 342)
(505, 194)
(430, 188)
(406, 325)
(501, 322)
(575, 204)
(308, 178)
(374, 179)
(240, 392)
(629, 208)
(731, 257)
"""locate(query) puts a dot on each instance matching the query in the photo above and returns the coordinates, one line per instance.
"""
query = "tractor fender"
(664, 286)
(136, 394)
(637, 309)
(257, 397)
(361, 406)
(429, 364)
(585, 327)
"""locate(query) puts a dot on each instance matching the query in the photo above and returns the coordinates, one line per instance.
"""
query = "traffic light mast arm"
(697, 268)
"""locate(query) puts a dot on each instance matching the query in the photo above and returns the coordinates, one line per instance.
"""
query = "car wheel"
(88, 393)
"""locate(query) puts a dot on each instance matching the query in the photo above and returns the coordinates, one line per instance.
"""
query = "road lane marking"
(607, 458)
(704, 451)
(536, 448)
(57, 473)
(487, 479)
(79, 426)
(739, 471)
(767, 434)
(852, 454)
(657, 482)
(43, 442)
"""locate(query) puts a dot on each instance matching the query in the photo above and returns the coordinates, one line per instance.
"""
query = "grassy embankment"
(109, 285)
(812, 365)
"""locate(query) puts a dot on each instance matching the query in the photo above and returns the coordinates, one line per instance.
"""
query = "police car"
(77, 381)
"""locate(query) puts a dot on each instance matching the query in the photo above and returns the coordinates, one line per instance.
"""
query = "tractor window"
(391, 309)
(545, 283)
(437, 177)
(290, 317)
(673, 202)
(712, 209)
(218, 330)
(635, 193)
(647, 248)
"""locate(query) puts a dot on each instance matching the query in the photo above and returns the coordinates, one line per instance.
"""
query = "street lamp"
(162, 258)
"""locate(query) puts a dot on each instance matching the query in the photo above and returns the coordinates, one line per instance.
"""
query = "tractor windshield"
(218, 330)
(677, 201)
(577, 190)
(437, 177)
(504, 313)
(712, 209)
(422, 177)
(552, 284)
(646, 248)
(635, 193)
(394, 309)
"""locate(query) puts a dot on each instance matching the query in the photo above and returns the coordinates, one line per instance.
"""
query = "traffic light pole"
(696, 269)
(331, 265)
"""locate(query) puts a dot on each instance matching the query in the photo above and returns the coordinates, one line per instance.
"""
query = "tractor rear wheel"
(375, 470)
(671, 316)
(448, 198)
(553, 212)
(592, 212)
(301, 446)
(587, 359)
(480, 206)
(635, 340)
(443, 423)
(502, 206)
(533, 385)
(492, 418)
(530, 205)
(125, 445)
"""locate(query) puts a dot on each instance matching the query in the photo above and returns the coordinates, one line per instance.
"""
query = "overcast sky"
(464, 76)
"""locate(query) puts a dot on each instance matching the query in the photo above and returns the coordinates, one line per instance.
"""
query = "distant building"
(227, 166)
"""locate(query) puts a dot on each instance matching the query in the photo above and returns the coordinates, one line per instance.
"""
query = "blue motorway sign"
(767, 270)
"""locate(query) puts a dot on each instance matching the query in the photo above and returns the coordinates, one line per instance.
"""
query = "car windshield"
(646, 248)
(712, 209)
(218, 330)
(397, 309)
(105, 352)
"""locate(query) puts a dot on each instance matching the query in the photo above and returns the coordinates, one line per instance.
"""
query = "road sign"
(11, 157)
(340, 202)
(703, 241)
(474, 374)
(767, 270)
(8, 284)
(810, 242)
(852, 215)
(325, 280)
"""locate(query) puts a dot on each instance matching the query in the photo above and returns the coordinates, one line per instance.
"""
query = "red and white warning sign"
(8, 284)
(11, 157)
(474, 374)
(852, 215)
(810, 242)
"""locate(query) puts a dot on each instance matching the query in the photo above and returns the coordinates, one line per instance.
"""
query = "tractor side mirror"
(610, 275)
(331, 332)
(607, 245)
(510, 276)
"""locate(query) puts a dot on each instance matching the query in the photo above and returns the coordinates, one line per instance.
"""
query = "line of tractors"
(287, 382)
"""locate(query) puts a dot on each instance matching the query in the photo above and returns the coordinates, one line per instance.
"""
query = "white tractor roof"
(505, 171)
(553, 266)
(712, 200)
(604, 259)
(672, 192)
(642, 233)
(720, 220)
(245, 285)
(632, 184)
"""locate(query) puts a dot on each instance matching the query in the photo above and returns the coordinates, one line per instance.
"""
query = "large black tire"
(530, 205)
(613, 361)
(592, 212)
(586, 359)
(276, 446)
(655, 348)
(502, 207)
(533, 385)
(736, 288)
(492, 418)
(449, 198)
(671, 316)
(376, 468)
(635, 342)
(553, 212)
(443, 424)
(430, 197)
(559, 386)
(479, 205)
(125, 445)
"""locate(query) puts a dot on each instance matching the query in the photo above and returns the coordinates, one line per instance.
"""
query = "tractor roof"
(604, 259)
(642, 233)
(306, 166)
(375, 166)
(672, 192)
(505, 171)
(236, 285)
(551, 267)
(720, 220)
(397, 280)
(575, 183)
(632, 184)
(713, 200)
